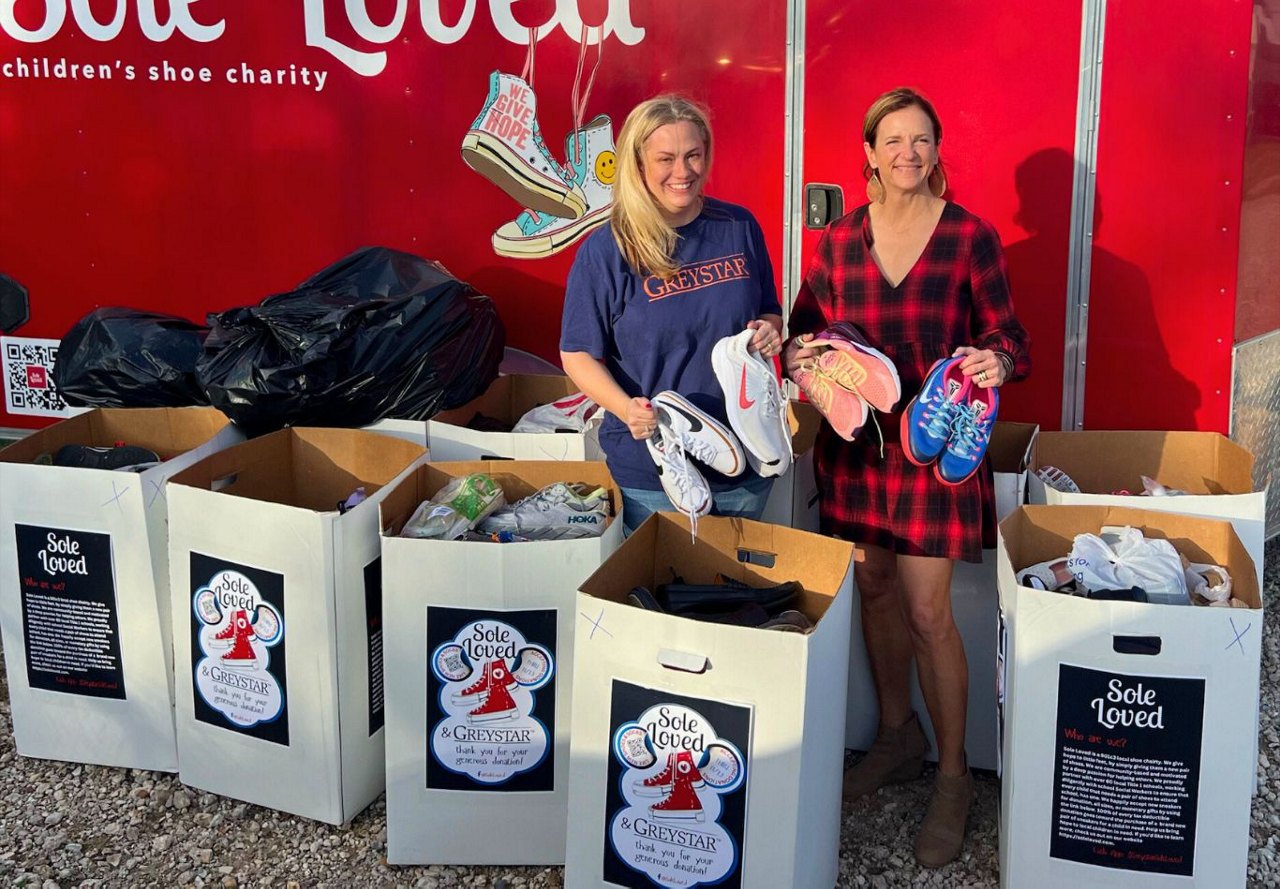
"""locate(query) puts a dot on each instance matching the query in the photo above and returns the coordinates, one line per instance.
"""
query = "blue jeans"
(746, 500)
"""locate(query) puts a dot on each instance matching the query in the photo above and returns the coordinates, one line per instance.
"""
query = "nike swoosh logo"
(744, 402)
(695, 425)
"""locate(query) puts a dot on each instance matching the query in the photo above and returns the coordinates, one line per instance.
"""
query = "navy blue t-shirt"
(655, 335)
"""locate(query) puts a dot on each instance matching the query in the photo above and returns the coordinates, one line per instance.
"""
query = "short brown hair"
(896, 100)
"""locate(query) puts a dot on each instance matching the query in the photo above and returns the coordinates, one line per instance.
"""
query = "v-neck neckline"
(869, 240)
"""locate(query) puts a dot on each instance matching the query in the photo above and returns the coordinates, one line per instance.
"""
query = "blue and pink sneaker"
(970, 433)
(927, 421)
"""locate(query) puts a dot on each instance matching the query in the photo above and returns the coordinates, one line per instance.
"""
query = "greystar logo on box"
(489, 673)
(617, 23)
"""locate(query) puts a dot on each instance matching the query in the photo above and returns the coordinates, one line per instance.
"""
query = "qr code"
(28, 378)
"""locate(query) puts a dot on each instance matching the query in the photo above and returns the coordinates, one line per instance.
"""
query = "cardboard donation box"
(450, 435)
(410, 430)
(84, 587)
(1127, 725)
(479, 655)
(974, 603)
(704, 753)
(1216, 473)
(277, 619)
(793, 500)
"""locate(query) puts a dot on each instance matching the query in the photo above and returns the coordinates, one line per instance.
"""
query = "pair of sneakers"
(685, 431)
(848, 379)
(949, 423)
(754, 402)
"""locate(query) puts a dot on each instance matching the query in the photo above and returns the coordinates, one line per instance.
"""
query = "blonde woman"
(651, 293)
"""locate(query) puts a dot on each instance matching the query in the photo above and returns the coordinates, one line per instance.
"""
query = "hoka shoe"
(852, 363)
(591, 166)
(757, 409)
(844, 410)
(926, 423)
(684, 485)
(702, 436)
(559, 511)
(970, 433)
(504, 145)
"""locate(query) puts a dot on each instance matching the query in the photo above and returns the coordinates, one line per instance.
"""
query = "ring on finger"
(982, 376)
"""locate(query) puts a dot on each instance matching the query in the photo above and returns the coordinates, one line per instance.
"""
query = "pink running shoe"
(844, 410)
(852, 363)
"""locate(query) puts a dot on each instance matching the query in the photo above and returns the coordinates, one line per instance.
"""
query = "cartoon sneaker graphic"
(926, 423)
(479, 690)
(241, 653)
(223, 638)
(498, 703)
(682, 804)
(663, 782)
(505, 146)
(591, 167)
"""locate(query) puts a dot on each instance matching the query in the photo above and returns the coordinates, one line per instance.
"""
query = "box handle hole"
(757, 557)
(225, 481)
(683, 661)
(1144, 645)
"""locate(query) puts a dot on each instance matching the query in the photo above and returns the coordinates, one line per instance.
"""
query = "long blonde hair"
(645, 239)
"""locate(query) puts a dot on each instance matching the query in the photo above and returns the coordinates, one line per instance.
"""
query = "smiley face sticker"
(606, 167)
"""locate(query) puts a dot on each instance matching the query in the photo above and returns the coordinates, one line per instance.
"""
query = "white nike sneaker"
(702, 436)
(757, 409)
(683, 483)
(560, 511)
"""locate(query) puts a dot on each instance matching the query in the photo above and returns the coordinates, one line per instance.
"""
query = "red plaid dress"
(957, 294)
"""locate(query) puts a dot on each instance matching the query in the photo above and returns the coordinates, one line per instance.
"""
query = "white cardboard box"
(410, 430)
(975, 608)
(278, 619)
(1216, 473)
(793, 500)
(1126, 725)
(84, 587)
(760, 713)
(508, 399)
(452, 609)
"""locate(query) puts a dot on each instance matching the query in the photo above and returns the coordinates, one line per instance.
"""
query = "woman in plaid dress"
(924, 279)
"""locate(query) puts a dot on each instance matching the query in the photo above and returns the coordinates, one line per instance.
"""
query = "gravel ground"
(64, 825)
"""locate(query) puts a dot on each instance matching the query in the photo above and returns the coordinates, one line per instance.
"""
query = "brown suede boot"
(941, 834)
(897, 755)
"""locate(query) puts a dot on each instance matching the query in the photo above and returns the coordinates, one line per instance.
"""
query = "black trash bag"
(116, 357)
(378, 334)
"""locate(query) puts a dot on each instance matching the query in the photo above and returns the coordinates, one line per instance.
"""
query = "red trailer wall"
(190, 197)
(1005, 87)
(1166, 237)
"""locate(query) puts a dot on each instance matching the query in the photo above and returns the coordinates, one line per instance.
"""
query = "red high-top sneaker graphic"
(476, 691)
(498, 703)
(660, 784)
(225, 636)
(683, 803)
(241, 653)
